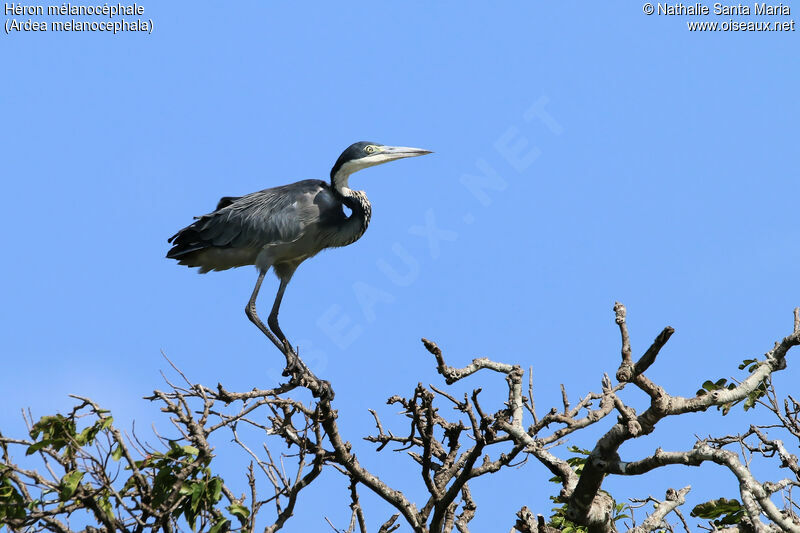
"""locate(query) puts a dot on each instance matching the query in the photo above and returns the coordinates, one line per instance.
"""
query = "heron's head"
(365, 154)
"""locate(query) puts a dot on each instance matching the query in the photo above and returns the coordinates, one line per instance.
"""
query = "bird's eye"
(369, 149)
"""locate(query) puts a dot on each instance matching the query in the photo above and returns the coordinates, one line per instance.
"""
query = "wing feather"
(269, 217)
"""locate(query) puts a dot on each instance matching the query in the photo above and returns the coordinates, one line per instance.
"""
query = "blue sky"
(631, 160)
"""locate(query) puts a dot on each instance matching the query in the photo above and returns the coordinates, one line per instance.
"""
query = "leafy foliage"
(722, 511)
(176, 483)
(749, 401)
(200, 490)
(577, 462)
(12, 505)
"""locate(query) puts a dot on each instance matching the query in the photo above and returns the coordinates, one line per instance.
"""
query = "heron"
(281, 227)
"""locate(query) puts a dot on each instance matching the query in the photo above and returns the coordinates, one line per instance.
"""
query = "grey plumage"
(283, 226)
(262, 228)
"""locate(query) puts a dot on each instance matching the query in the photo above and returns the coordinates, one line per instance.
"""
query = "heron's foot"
(294, 365)
(325, 392)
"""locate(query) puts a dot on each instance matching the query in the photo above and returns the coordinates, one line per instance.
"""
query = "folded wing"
(240, 227)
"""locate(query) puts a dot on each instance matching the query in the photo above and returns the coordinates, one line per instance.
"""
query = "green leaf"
(576, 449)
(198, 489)
(117, 453)
(36, 446)
(191, 516)
(714, 385)
(105, 506)
(218, 526)
(215, 489)
(11, 502)
(239, 511)
(162, 485)
(748, 362)
(107, 421)
(86, 436)
(69, 483)
(716, 508)
(33, 504)
(54, 427)
(190, 450)
(730, 519)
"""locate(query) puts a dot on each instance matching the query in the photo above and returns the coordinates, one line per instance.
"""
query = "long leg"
(252, 314)
(272, 320)
(293, 362)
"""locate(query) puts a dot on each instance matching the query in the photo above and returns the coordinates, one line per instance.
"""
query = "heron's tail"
(187, 248)
(193, 249)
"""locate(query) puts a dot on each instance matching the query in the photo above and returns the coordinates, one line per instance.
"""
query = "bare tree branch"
(124, 484)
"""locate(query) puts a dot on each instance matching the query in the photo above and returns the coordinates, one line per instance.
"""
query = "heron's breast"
(294, 252)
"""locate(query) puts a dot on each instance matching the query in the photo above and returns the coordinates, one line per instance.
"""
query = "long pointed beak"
(399, 152)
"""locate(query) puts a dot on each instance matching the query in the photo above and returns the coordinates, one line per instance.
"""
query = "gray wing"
(272, 216)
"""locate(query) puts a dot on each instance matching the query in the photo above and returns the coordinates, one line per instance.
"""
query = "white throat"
(340, 181)
(342, 177)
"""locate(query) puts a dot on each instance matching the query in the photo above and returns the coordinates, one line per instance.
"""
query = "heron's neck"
(356, 224)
